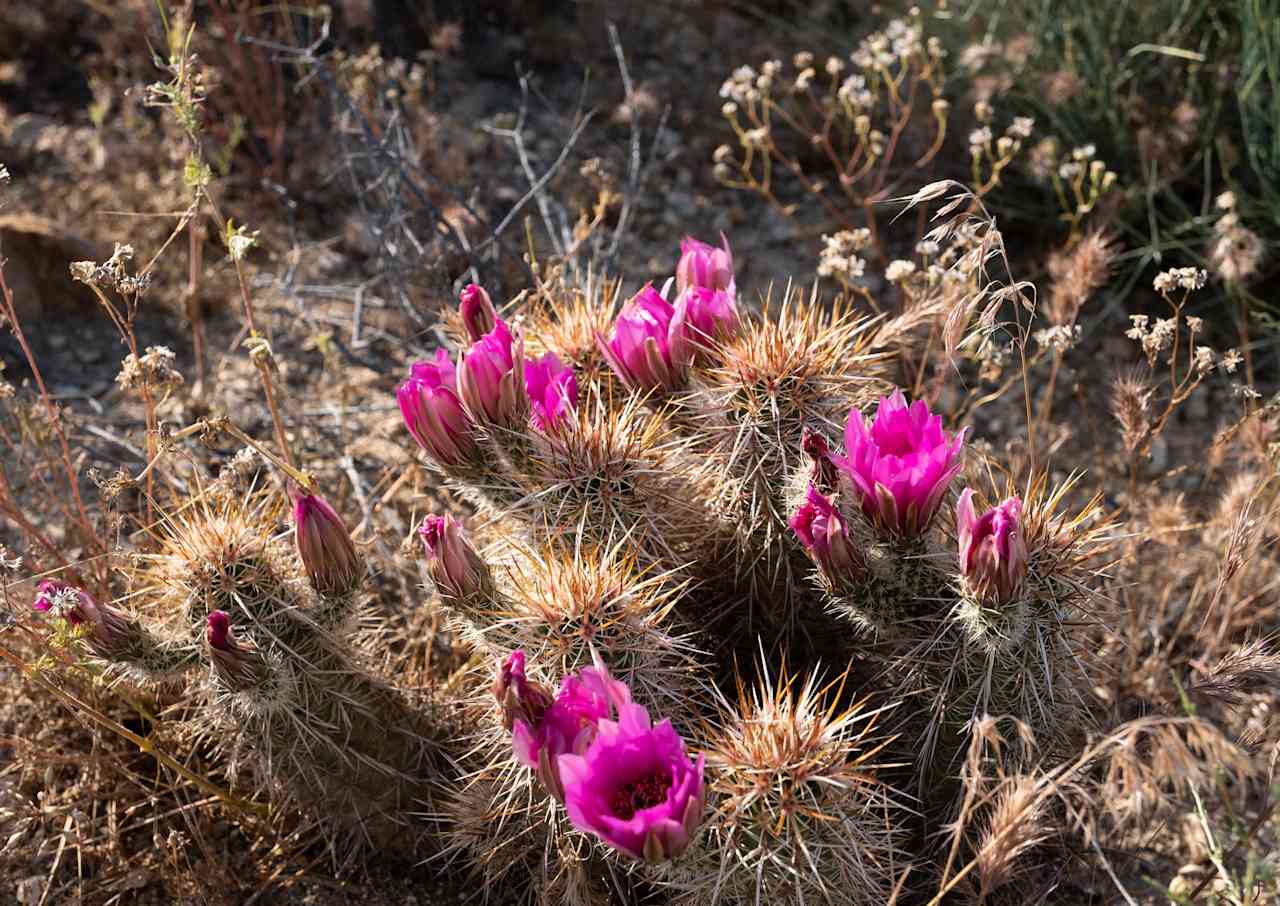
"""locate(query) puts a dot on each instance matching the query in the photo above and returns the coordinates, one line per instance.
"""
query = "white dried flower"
(1226, 201)
(1203, 360)
(1021, 127)
(899, 270)
(1231, 360)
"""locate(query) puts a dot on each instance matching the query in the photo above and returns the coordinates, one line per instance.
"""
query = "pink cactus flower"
(553, 392)
(705, 266)
(109, 629)
(491, 379)
(455, 567)
(993, 551)
(433, 412)
(634, 787)
(324, 544)
(640, 352)
(543, 728)
(820, 527)
(702, 317)
(237, 663)
(900, 464)
(478, 314)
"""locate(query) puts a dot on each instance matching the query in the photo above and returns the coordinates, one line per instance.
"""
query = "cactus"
(284, 694)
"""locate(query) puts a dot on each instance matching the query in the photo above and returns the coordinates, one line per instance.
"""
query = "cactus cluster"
(733, 622)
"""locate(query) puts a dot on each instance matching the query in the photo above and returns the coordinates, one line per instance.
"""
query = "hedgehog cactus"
(687, 504)
(658, 495)
(284, 693)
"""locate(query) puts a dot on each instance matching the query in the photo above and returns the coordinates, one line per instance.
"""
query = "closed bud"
(993, 551)
(478, 313)
(705, 266)
(238, 664)
(433, 412)
(325, 545)
(821, 529)
(824, 476)
(110, 632)
(457, 570)
(491, 379)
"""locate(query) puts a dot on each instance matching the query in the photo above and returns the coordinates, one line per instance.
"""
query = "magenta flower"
(543, 729)
(640, 352)
(455, 567)
(705, 266)
(324, 544)
(634, 787)
(109, 629)
(553, 392)
(478, 314)
(491, 378)
(433, 412)
(993, 551)
(237, 663)
(900, 464)
(702, 316)
(820, 527)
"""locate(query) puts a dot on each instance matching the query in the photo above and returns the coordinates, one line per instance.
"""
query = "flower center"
(642, 794)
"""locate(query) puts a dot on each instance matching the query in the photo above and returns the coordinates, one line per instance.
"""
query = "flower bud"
(491, 379)
(325, 545)
(433, 412)
(457, 570)
(824, 476)
(705, 266)
(702, 317)
(821, 529)
(238, 664)
(553, 392)
(640, 352)
(993, 551)
(110, 630)
(478, 313)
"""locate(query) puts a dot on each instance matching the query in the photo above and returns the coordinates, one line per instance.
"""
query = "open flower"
(542, 729)
(455, 567)
(478, 314)
(634, 787)
(325, 545)
(705, 266)
(640, 352)
(433, 412)
(820, 527)
(993, 551)
(553, 392)
(491, 378)
(900, 464)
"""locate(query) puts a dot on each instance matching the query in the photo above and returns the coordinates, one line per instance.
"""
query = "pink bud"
(553, 392)
(821, 529)
(325, 545)
(433, 412)
(238, 664)
(993, 551)
(111, 630)
(459, 573)
(478, 313)
(491, 379)
(640, 352)
(824, 476)
(705, 266)
(703, 317)
(900, 464)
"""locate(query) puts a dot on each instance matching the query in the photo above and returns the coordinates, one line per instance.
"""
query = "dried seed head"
(1131, 405)
(1076, 275)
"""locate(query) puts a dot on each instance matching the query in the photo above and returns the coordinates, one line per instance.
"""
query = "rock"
(37, 255)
